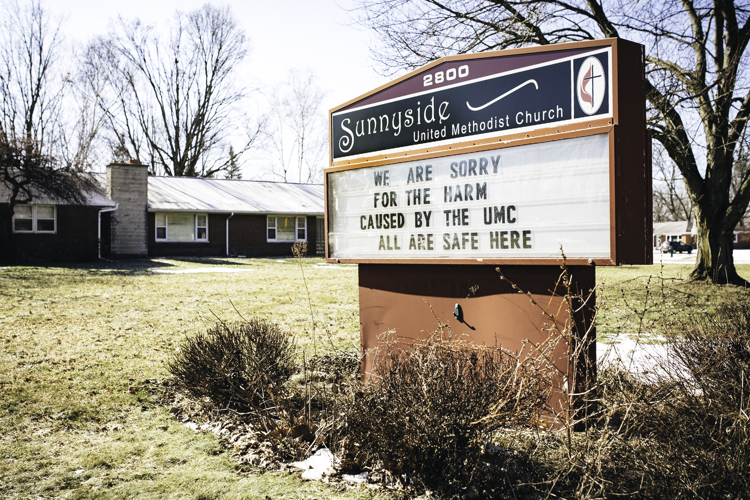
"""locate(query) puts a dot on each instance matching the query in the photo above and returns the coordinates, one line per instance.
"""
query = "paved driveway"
(740, 257)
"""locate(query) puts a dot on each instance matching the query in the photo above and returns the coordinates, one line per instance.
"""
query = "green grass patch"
(84, 351)
(650, 299)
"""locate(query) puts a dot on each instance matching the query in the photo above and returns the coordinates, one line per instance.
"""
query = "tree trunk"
(715, 262)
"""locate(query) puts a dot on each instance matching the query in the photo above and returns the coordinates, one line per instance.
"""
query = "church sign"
(503, 160)
(507, 157)
(519, 202)
(461, 101)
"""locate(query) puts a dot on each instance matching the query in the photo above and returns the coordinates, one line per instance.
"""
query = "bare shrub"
(679, 432)
(338, 369)
(715, 349)
(464, 419)
(241, 366)
(430, 409)
(705, 422)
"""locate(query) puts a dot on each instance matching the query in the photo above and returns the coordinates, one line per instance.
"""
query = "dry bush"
(704, 422)
(429, 410)
(715, 349)
(337, 369)
(679, 432)
(247, 379)
(240, 366)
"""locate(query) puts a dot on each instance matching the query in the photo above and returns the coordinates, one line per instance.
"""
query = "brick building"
(685, 232)
(137, 215)
(189, 216)
(49, 231)
(674, 231)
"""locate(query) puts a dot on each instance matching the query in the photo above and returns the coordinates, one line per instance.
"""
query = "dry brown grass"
(84, 351)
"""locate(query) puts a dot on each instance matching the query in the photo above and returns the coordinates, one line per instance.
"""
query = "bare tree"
(297, 138)
(671, 201)
(697, 85)
(83, 120)
(172, 100)
(31, 95)
(30, 90)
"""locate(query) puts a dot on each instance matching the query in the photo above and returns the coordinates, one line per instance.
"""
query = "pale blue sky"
(284, 34)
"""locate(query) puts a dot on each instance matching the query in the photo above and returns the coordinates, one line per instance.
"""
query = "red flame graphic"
(585, 96)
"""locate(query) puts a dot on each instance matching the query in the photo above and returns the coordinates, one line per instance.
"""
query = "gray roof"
(181, 194)
(677, 227)
(97, 197)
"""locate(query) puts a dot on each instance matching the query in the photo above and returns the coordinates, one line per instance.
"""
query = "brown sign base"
(414, 300)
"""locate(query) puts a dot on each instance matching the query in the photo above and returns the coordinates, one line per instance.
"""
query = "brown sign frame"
(629, 157)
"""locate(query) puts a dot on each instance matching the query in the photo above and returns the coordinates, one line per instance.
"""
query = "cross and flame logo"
(591, 85)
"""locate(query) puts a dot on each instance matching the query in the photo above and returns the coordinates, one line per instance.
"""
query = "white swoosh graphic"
(502, 96)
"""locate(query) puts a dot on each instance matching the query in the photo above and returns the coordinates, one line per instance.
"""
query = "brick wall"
(76, 240)
(214, 247)
(247, 236)
(127, 184)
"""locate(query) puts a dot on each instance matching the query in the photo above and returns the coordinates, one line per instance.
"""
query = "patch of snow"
(638, 357)
(322, 463)
(199, 270)
(335, 266)
(360, 478)
(740, 256)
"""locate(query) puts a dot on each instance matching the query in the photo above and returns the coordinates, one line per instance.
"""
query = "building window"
(286, 228)
(201, 227)
(35, 219)
(181, 227)
(736, 238)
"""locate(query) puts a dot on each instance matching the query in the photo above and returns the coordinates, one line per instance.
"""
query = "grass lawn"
(83, 347)
(649, 299)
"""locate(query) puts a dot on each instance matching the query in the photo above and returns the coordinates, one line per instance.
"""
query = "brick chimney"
(127, 185)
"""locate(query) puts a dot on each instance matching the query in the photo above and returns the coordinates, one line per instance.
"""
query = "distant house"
(675, 231)
(178, 216)
(685, 232)
(137, 215)
(47, 230)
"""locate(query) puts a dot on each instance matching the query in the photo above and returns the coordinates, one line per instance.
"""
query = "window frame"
(275, 228)
(34, 220)
(197, 227)
(166, 228)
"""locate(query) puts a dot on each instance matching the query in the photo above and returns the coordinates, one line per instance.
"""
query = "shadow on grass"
(214, 261)
(129, 267)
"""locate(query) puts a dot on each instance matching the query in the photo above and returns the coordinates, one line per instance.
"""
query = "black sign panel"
(567, 90)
